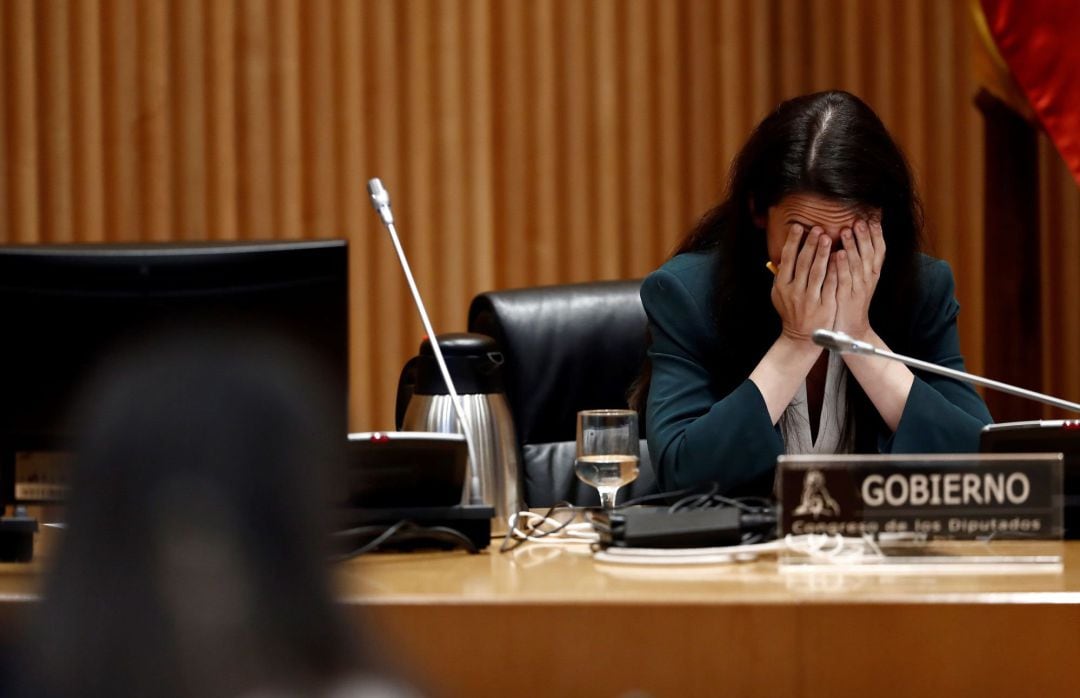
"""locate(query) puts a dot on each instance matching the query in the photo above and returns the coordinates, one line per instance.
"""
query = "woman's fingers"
(819, 267)
(806, 258)
(843, 278)
(789, 253)
(830, 289)
(877, 237)
(866, 247)
(854, 259)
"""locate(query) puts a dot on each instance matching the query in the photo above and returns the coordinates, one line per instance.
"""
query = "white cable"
(835, 549)
(818, 547)
(550, 530)
(687, 556)
(696, 552)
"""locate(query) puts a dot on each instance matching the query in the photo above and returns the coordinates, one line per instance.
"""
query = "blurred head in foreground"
(194, 559)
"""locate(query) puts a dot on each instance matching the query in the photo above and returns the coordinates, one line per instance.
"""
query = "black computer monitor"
(66, 308)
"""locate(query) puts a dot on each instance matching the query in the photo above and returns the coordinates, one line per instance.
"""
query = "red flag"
(1040, 41)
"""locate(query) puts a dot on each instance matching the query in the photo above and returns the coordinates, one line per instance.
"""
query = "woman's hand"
(858, 267)
(804, 291)
(886, 383)
(804, 294)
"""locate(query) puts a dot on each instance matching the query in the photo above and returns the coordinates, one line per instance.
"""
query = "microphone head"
(380, 200)
(379, 196)
(842, 343)
(834, 341)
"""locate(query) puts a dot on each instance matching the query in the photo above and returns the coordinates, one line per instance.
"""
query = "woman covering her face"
(820, 228)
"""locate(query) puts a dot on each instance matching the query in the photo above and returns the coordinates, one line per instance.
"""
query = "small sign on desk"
(930, 497)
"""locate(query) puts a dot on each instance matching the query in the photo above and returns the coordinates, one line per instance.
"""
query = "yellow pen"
(771, 267)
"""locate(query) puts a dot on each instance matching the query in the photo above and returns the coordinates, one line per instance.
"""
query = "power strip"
(657, 527)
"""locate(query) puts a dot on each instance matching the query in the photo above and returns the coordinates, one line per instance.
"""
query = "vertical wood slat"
(222, 158)
(574, 143)
(450, 193)
(288, 105)
(700, 137)
(729, 76)
(122, 204)
(524, 143)
(912, 101)
(54, 122)
(671, 217)
(253, 109)
(854, 42)
(417, 227)
(639, 186)
(824, 42)
(22, 139)
(187, 63)
(608, 162)
(511, 123)
(5, 207)
(349, 196)
(544, 189)
(480, 150)
(154, 127)
(318, 97)
(792, 67)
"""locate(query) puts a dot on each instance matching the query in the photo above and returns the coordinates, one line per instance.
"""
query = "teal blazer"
(698, 434)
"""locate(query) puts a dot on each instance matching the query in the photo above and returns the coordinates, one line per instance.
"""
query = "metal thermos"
(475, 366)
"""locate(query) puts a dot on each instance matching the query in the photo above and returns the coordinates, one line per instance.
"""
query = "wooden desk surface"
(549, 621)
(535, 574)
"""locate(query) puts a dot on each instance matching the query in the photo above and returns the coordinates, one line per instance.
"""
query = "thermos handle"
(405, 388)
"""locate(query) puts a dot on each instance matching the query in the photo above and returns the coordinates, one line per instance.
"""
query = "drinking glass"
(607, 451)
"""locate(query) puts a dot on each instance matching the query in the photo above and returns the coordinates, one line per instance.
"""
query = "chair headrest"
(567, 348)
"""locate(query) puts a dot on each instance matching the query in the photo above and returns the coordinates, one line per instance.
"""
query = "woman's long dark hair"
(833, 145)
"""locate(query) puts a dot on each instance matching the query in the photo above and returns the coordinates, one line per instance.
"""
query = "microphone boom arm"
(979, 380)
(842, 343)
(380, 200)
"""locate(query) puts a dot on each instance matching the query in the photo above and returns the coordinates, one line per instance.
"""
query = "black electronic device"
(660, 527)
(408, 477)
(1044, 436)
(65, 308)
(405, 469)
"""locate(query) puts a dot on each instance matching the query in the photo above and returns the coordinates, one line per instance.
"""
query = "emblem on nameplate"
(816, 500)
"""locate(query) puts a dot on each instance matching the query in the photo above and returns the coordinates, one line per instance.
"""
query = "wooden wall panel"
(541, 141)
(20, 88)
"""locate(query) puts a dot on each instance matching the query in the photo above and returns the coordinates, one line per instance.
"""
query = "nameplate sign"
(958, 497)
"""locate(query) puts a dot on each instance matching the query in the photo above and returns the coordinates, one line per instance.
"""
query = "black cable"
(401, 532)
(645, 498)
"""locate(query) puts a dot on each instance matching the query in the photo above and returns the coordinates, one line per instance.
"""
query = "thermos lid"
(474, 361)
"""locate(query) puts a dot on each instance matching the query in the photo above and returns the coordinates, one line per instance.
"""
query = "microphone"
(841, 343)
(380, 200)
(845, 344)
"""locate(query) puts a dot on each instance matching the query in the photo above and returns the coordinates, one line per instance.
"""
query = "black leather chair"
(566, 348)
